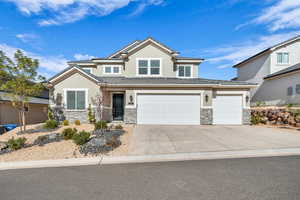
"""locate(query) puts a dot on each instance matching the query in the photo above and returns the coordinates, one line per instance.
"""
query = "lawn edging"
(105, 160)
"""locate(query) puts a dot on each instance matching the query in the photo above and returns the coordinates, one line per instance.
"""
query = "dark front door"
(118, 106)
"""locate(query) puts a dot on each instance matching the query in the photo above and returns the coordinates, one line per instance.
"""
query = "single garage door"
(227, 109)
(168, 109)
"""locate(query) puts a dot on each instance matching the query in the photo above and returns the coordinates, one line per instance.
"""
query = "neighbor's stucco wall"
(294, 56)
(75, 81)
(9, 115)
(274, 91)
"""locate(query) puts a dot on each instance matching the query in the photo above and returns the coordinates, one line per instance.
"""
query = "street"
(232, 179)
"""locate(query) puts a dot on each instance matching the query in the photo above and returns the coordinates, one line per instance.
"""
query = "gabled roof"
(126, 48)
(69, 70)
(272, 48)
(294, 68)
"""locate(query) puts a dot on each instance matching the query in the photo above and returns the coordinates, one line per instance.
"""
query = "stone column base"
(246, 116)
(130, 115)
(206, 116)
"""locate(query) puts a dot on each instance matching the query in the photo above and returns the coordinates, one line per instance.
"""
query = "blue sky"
(223, 32)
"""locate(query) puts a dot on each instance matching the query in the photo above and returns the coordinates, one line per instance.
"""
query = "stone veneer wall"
(107, 114)
(76, 115)
(246, 116)
(206, 116)
(130, 115)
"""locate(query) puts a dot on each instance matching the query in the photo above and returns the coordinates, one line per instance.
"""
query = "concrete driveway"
(155, 139)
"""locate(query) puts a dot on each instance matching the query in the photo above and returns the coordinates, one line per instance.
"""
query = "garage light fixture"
(247, 98)
(206, 98)
(131, 100)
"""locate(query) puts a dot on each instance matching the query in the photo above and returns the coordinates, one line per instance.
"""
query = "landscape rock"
(46, 139)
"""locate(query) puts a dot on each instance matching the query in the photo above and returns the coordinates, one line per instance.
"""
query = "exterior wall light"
(131, 100)
(247, 99)
(206, 98)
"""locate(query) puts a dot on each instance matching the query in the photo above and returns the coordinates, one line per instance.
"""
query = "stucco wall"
(75, 81)
(274, 91)
(8, 114)
(294, 56)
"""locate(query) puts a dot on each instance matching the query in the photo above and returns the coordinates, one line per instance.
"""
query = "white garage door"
(168, 109)
(227, 109)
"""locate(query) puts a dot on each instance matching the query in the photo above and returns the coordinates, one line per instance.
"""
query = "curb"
(106, 160)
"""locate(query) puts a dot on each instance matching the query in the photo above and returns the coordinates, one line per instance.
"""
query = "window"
(298, 88)
(290, 91)
(87, 70)
(149, 66)
(282, 58)
(112, 70)
(76, 99)
(185, 71)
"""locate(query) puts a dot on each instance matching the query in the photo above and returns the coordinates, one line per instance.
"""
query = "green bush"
(256, 120)
(16, 144)
(100, 125)
(77, 122)
(81, 138)
(68, 133)
(66, 123)
(91, 115)
(51, 124)
(119, 126)
(50, 114)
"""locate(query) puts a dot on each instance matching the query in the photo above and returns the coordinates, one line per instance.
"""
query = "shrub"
(50, 114)
(81, 138)
(68, 133)
(66, 123)
(77, 122)
(256, 120)
(119, 126)
(91, 115)
(101, 125)
(51, 124)
(260, 103)
(16, 144)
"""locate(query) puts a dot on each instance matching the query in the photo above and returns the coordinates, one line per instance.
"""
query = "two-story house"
(147, 82)
(277, 72)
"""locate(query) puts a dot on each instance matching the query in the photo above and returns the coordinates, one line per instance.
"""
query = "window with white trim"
(112, 70)
(283, 58)
(149, 66)
(184, 71)
(76, 99)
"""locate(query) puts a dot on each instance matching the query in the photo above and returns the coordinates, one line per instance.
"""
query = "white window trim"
(281, 52)
(149, 67)
(112, 70)
(76, 89)
(177, 71)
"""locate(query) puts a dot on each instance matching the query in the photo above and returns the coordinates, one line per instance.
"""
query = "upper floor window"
(282, 58)
(76, 99)
(112, 70)
(149, 66)
(88, 70)
(184, 71)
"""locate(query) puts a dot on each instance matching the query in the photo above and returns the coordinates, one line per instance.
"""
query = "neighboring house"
(277, 71)
(37, 109)
(146, 82)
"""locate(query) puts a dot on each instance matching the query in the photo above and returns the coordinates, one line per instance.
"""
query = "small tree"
(23, 82)
(91, 115)
(98, 101)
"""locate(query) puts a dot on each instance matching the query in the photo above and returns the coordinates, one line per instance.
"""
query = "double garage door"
(185, 109)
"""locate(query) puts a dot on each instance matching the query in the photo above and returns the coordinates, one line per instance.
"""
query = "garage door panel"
(227, 109)
(169, 109)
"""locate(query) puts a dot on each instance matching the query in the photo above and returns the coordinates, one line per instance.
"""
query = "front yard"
(57, 150)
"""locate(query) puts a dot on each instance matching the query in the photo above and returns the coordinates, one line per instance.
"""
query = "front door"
(118, 107)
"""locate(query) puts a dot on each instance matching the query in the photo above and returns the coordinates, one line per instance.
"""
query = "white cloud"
(233, 54)
(68, 11)
(280, 15)
(79, 56)
(26, 37)
(48, 64)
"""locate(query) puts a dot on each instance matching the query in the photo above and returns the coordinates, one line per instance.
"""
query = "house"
(146, 82)
(277, 72)
(37, 109)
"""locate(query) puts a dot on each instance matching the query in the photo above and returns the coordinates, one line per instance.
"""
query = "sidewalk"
(104, 160)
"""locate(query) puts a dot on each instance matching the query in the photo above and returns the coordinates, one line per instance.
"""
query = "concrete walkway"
(154, 139)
